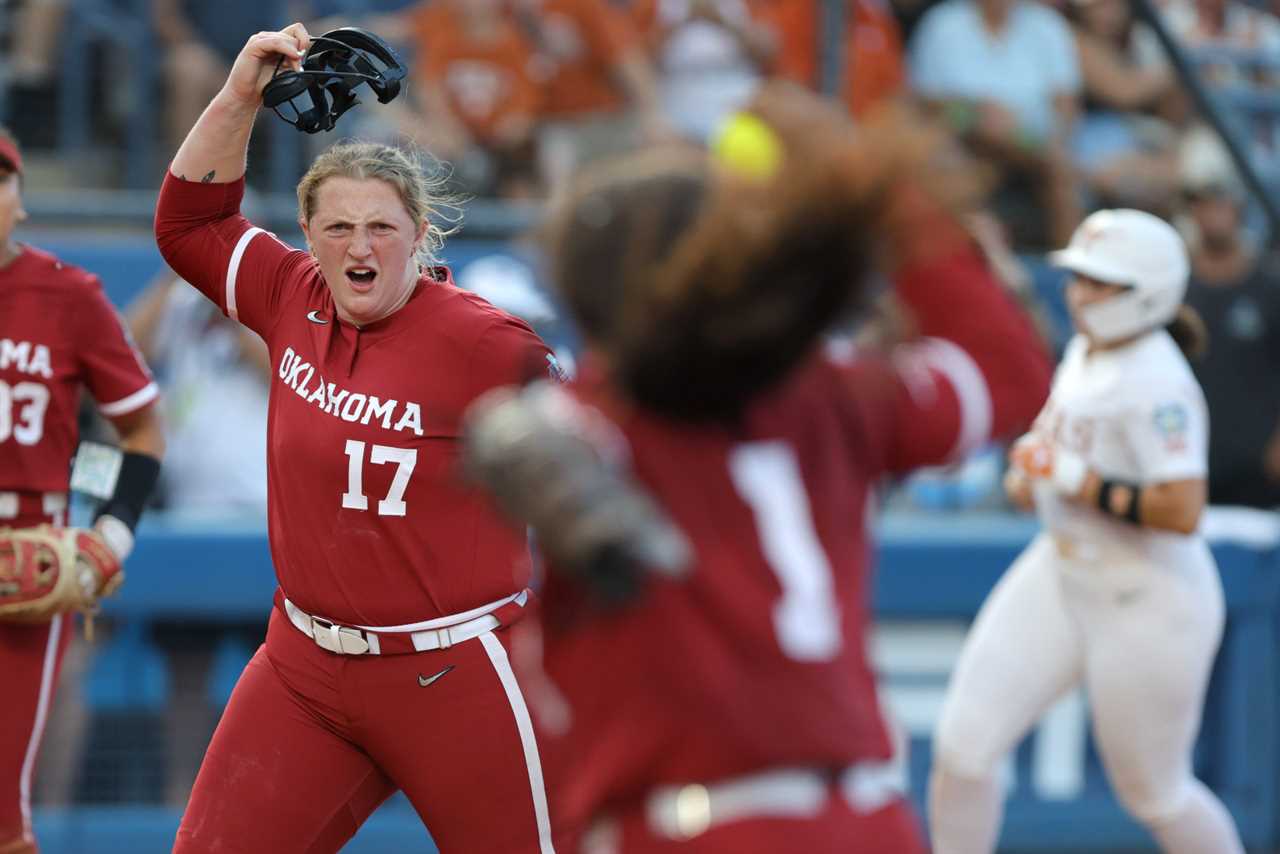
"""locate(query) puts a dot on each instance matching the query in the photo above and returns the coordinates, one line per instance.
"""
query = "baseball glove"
(45, 571)
(551, 463)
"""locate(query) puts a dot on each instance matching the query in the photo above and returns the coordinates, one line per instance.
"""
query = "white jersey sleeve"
(1168, 431)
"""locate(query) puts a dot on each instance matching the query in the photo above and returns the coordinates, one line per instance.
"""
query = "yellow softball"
(748, 146)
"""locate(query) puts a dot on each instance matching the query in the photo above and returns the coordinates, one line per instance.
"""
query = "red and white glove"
(1039, 459)
(101, 570)
(46, 571)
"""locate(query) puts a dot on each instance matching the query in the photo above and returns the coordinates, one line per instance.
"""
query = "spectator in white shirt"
(215, 400)
(1006, 76)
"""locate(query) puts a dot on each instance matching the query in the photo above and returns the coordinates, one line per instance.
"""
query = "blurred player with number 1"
(733, 709)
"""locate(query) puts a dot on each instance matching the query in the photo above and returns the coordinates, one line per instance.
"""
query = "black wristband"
(1135, 505)
(134, 485)
(1104, 495)
(1131, 513)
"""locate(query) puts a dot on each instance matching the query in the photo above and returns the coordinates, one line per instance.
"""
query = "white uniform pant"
(1140, 638)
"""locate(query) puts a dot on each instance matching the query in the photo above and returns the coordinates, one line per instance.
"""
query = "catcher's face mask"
(332, 68)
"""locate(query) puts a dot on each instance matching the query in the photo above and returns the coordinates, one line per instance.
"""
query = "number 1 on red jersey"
(807, 619)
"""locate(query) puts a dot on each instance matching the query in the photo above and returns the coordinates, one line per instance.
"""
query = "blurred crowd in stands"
(1070, 104)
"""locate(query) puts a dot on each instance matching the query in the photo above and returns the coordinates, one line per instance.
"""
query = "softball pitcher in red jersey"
(734, 708)
(385, 665)
(58, 336)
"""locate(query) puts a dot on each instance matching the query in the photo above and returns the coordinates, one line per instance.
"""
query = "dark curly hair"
(703, 287)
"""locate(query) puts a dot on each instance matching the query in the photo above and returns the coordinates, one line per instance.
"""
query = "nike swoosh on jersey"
(314, 317)
(424, 681)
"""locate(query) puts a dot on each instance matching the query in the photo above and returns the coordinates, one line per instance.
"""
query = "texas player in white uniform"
(1118, 593)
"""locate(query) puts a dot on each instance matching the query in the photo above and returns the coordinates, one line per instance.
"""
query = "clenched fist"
(1038, 458)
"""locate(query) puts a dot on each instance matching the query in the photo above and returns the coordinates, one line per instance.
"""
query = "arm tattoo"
(208, 178)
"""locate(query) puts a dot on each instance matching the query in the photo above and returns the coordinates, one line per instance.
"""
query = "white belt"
(371, 640)
(683, 812)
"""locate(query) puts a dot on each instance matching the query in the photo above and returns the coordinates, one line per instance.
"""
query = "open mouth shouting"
(361, 278)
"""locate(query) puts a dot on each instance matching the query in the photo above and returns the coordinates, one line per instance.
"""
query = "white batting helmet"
(1134, 249)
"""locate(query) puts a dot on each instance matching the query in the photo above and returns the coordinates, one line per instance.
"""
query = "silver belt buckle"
(339, 639)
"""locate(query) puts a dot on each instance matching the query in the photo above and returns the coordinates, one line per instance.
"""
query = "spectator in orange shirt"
(599, 92)
(873, 64)
(477, 97)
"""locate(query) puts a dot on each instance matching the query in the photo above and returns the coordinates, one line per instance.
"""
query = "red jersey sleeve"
(113, 369)
(509, 352)
(242, 268)
(977, 372)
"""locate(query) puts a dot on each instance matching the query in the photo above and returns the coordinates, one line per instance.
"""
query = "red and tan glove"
(46, 571)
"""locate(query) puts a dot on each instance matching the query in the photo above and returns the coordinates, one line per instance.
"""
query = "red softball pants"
(312, 742)
(30, 659)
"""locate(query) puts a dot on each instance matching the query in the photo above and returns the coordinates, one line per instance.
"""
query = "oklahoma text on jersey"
(298, 373)
(25, 357)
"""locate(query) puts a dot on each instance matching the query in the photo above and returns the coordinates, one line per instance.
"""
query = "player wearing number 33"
(1118, 594)
(731, 707)
(385, 664)
(58, 336)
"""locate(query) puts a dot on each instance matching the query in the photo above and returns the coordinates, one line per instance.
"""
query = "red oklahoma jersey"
(58, 334)
(757, 658)
(368, 520)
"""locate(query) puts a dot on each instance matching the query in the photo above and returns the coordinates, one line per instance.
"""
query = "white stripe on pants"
(43, 699)
(524, 724)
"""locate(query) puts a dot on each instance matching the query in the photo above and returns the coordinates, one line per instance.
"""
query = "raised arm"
(216, 147)
(976, 371)
(199, 229)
